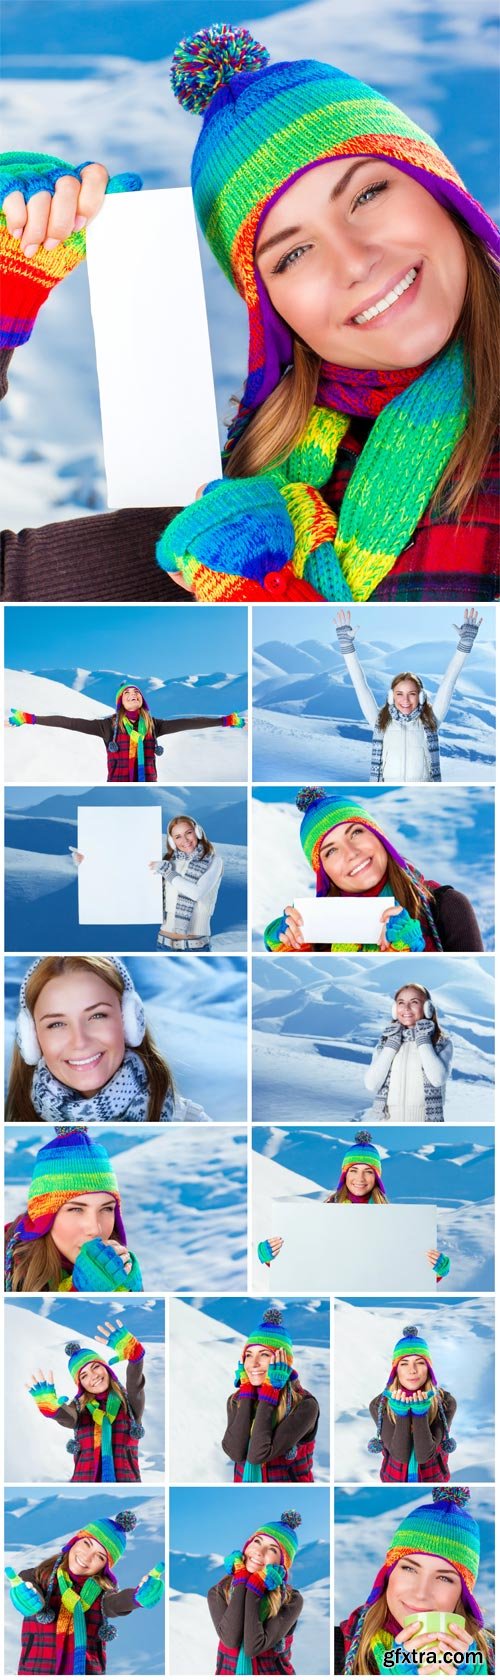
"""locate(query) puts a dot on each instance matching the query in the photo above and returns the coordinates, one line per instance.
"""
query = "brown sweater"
(104, 726)
(265, 1442)
(238, 1623)
(413, 1431)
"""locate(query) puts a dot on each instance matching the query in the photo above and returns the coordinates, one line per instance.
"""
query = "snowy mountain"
(31, 754)
(307, 721)
(316, 1020)
(199, 1340)
(461, 1339)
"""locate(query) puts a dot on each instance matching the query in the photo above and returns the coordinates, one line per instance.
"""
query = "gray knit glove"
(345, 637)
(424, 1029)
(393, 1035)
(467, 633)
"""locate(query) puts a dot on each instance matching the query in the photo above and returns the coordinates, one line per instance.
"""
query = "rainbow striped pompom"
(203, 62)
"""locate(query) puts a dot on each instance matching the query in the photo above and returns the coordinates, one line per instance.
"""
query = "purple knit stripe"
(278, 342)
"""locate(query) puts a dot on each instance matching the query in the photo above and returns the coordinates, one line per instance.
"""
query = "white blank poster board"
(340, 1248)
(156, 389)
(115, 883)
(341, 921)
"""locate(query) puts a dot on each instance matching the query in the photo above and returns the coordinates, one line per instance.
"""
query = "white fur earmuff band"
(132, 1009)
(198, 831)
(429, 1010)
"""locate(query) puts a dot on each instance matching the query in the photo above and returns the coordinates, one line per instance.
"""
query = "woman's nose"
(352, 261)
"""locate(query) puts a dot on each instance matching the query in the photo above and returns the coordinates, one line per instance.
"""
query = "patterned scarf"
(71, 1621)
(191, 868)
(124, 1097)
(363, 391)
(103, 1420)
(410, 720)
(136, 729)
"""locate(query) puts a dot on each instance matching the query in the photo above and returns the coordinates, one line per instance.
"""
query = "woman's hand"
(385, 917)
(292, 940)
(272, 1246)
(434, 1645)
(106, 1330)
(399, 1394)
(46, 219)
(346, 632)
(40, 1377)
(77, 857)
(24, 1595)
(122, 1252)
(155, 864)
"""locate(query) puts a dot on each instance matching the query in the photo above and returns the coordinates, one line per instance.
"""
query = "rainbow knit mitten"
(442, 1266)
(27, 281)
(264, 1252)
(403, 932)
(17, 718)
(276, 1378)
(99, 1267)
(152, 1589)
(272, 1577)
(234, 720)
(45, 1397)
(242, 1382)
(399, 1407)
(125, 1346)
(235, 1565)
(420, 1407)
(23, 1595)
(272, 535)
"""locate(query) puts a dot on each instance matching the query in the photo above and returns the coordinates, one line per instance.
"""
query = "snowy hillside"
(461, 1339)
(183, 1195)
(199, 1341)
(33, 755)
(316, 1020)
(307, 722)
(35, 1446)
(435, 828)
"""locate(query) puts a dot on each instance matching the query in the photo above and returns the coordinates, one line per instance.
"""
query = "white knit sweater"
(405, 756)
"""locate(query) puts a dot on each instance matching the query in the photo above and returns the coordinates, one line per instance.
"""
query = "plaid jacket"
(444, 561)
(277, 1661)
(118, 762)
(298, 1468)
(125, 1450)
(434, 1470)
(38, 1646)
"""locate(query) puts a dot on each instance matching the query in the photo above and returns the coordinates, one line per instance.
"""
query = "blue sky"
(421, 1306)
(307, 1320)
(212, 1520)
(144, 1316)
(392, 623)
(154, 641)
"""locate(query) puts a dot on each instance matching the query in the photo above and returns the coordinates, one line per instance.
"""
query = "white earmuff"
(422, 696)
(390, 697)
(198, 831)
(26, 1039)
(429, 1009)
(394, 1011)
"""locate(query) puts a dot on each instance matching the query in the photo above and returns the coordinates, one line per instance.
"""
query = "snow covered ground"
(197, 1340)
(307, 722)
(35, 1448)
(317, 1018)
(461, 1338)
(427, 1165)
(183, 1195)
(204, 755)
(445, 832)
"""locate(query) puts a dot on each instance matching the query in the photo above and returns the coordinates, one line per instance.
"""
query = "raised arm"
(345, 638)
(467, 633)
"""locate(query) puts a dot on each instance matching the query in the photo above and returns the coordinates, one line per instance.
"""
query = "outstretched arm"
(467, 632)
(345, 638)
(82, 726)
(173, 726)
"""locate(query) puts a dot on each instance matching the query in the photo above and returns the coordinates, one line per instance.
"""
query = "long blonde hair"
(19, 1101)
(279, 423)
(37, 1265)
(44, 1571)
(364, 1662)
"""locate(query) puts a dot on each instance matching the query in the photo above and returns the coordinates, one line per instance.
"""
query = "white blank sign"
(341, 921)
(159, 420)
(332, 1248)
(115, 883)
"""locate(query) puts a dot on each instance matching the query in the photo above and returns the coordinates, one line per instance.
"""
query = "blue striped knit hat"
(362, 1153)
(284, 1532)
(410, 1342)
(442, 1529)
(71, 1164)
(266, 124)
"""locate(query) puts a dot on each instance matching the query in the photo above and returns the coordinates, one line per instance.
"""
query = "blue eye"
(290, 259)
(369, 193)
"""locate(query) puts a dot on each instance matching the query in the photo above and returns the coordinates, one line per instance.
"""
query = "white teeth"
(85, 1061)
(360, 866)
(390, 298)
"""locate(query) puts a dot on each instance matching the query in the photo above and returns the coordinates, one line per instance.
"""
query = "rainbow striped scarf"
(103, 1419)
(136, 733)
(71, 1621)
(399, 468)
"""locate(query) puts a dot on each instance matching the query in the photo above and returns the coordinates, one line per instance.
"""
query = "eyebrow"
(102, 1004)
(337, 190)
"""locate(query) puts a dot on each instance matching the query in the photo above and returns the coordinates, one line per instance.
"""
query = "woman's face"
(256, 1362)
(131, 700)
(364, 265)
(183, 836)
(261, 1549)
(360, 1180)
(406, 695)
(409, 1006)
(86, 1557)
(82, 1219)
(79, 1027)
(422, 1583)
(412, 1371)
(353, 858)
(94, 1378)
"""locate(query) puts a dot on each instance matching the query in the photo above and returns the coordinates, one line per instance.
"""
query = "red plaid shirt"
(38, 1640)
(435, 1468)
(284, 1469)
(118, 762)
(125, 1450)
(277, 1661)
